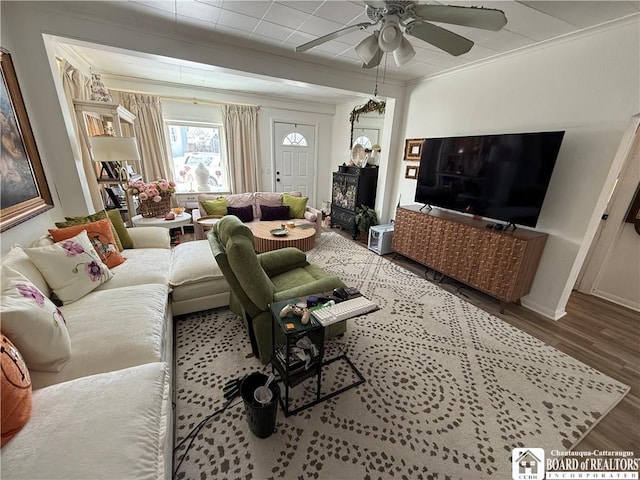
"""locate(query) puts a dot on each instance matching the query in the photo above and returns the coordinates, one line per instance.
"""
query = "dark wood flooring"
(600, 334)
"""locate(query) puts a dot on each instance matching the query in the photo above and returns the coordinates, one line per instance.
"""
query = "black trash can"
(261, 418)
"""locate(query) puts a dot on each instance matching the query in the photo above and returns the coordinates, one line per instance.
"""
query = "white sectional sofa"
(108, 412)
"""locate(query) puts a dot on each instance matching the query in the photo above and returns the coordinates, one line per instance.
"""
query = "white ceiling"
(279, 26)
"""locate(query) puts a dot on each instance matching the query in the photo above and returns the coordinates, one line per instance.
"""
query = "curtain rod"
(194, 100)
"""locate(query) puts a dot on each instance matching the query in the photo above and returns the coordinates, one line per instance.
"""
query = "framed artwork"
(23, 187)
(411, 172)
(413, 148)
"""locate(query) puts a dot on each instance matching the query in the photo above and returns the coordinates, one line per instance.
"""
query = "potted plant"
(365, 217)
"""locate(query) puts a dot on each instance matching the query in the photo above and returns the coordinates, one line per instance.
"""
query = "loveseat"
(105, 411)
(300, 212)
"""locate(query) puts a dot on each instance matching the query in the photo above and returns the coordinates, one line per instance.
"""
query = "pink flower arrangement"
(153, 190)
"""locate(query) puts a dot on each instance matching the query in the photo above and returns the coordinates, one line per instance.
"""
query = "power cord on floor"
(231, 390)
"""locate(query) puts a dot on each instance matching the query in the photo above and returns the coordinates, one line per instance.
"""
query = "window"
(364, 141)
(195, 145)
(295, 139)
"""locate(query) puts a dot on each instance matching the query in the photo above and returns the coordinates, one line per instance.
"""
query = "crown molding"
(569, 37)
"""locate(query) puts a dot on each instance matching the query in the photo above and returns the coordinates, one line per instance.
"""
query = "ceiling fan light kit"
(368, 48)
(415, 19)
(390, 34)
(403, 53)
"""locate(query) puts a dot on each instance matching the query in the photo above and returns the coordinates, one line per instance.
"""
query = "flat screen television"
(503, 177)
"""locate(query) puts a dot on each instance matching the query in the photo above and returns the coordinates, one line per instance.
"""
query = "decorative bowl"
(279, 232)
(178, 210)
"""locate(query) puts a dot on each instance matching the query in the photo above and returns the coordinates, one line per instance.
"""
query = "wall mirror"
(366, 124)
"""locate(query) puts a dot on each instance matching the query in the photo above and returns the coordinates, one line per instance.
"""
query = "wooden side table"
(207, 223)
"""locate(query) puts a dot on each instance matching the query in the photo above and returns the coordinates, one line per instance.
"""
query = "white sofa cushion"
(143, 266)
(113, 329)
(193, 261)
(111, 425)
(71, 267)
(33, 323)
(150, 237)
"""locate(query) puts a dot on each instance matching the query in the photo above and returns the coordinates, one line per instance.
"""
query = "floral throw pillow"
(99, 234)
(71, 267)
(35, 325)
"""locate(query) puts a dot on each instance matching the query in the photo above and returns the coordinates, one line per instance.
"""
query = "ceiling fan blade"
(376, 60)
(331, 36)
(378, 4)
(443, 39)
(476, 17)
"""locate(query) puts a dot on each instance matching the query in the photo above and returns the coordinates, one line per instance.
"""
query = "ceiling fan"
(415, 18)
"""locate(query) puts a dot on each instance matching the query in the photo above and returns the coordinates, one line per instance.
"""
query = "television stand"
(498, 263)
(510, 225)
(427, 206)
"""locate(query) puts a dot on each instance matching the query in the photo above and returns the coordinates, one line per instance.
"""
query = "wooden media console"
(499, 263)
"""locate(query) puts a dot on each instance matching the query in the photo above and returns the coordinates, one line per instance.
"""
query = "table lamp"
(105, 148)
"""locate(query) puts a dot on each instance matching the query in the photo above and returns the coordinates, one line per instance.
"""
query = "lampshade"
(403, 53)
(368, 48)
(114, 149)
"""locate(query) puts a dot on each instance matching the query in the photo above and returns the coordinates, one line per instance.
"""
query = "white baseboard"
(625, 302)
(542, 310)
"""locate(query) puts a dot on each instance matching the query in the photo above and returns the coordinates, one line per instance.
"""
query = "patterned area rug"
(449, 390)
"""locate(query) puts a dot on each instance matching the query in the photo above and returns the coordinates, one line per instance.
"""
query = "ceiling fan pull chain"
(375, 90)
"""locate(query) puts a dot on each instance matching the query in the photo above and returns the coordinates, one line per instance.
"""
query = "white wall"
(619, 280)
(587, 85)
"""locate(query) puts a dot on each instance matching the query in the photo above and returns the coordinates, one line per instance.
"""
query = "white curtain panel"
(78, 86)
(241, 135)
(150, 134)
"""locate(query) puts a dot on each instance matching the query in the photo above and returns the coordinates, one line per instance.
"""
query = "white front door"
(295, 147)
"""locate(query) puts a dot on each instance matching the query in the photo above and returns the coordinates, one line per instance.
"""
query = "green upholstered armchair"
(256, 280)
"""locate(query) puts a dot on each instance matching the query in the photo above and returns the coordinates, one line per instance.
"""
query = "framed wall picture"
(23, 187)
(411, 172)
(413, 148)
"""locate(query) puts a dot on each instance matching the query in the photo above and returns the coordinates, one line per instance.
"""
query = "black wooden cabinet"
(351, 188)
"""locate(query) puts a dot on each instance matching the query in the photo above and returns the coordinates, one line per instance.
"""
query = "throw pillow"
(35, 324)
(15, 386)
(217, 207)
(72, 267)
(94, 217)
(296, 205)
(101, 237)
(274, 213)
(123, 239)
(17, 260)
(245, 214)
